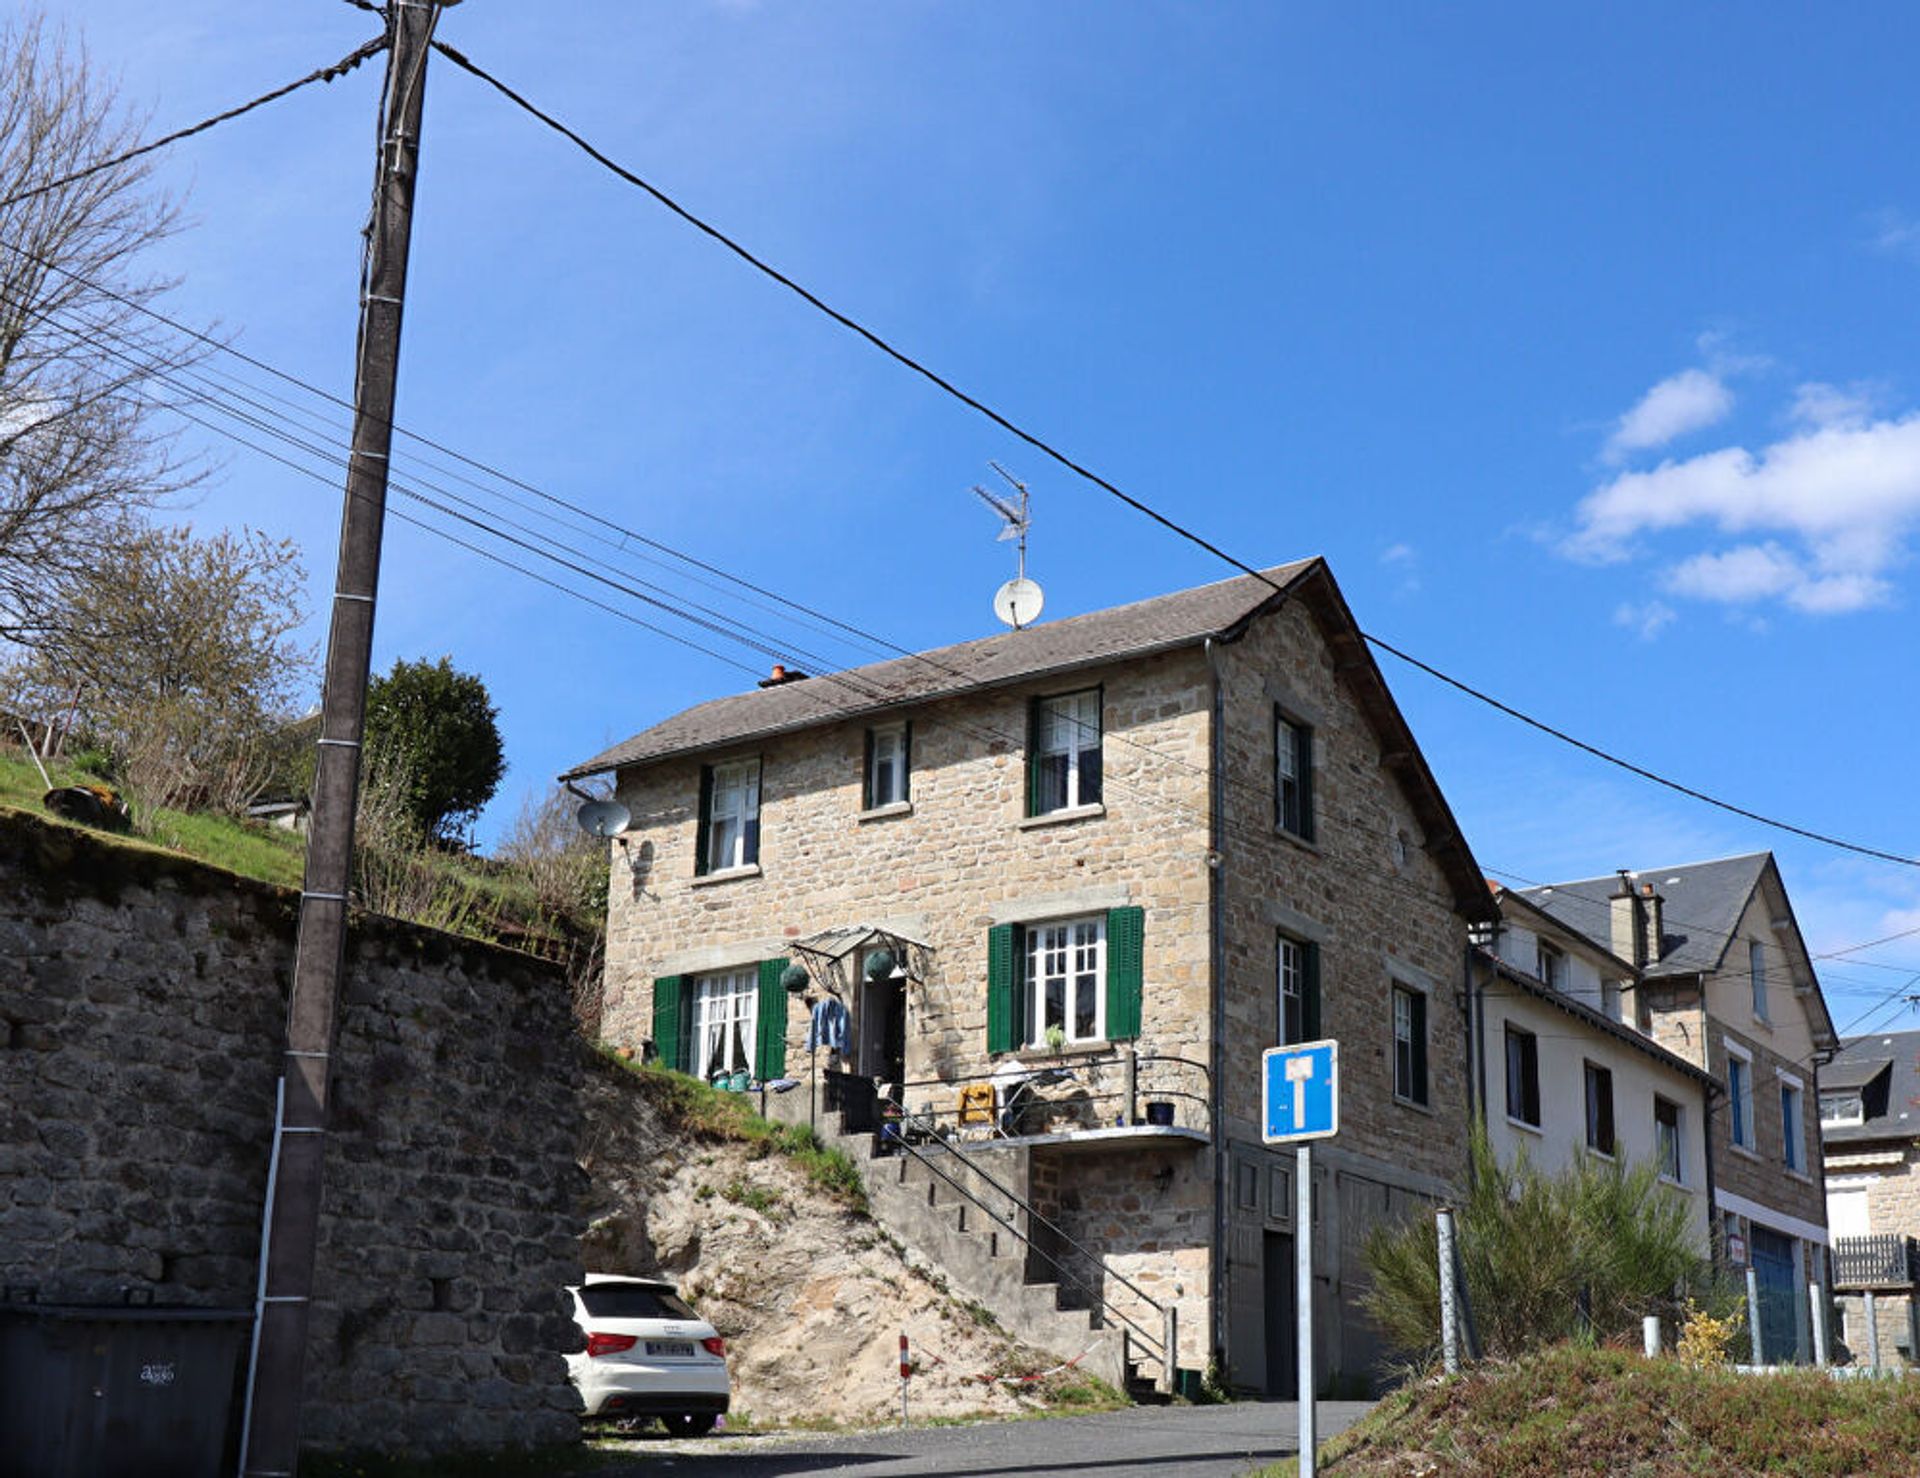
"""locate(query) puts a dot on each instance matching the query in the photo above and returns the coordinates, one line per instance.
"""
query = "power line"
(1172, 525)
(321, 74)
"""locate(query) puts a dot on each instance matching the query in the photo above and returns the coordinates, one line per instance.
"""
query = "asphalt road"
(1140, 1442)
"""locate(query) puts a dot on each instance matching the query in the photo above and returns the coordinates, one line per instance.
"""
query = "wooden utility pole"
(271, 1439)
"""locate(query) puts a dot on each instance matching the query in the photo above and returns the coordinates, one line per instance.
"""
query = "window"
(1066, 970)
(1792, 1126)
(1666, 1139)
(1599, 1108)
(888, 748)
(723, 1022)
(1292, 776)
(1409, 1045)
(729, 816)
(1847, 1211)
(1740, 1100)
(1550, 965)
(1523, 1076)
(1063, 759)
(1299, 971)
(1842, 1109)
(1757, 977)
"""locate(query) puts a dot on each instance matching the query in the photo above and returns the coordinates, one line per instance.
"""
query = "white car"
(647, 1355)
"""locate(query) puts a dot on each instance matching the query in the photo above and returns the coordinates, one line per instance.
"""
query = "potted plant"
(1056, 1039)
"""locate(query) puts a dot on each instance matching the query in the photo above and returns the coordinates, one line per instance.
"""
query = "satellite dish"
(1018, 602)
(603, 818)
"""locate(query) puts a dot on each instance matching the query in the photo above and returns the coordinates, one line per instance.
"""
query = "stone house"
(1723, 979)
(1870, 1143)
(1120, 854)
(1561, 1069)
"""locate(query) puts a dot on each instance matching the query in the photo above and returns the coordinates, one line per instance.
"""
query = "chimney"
(1652, 919)
(1629, 938)
(781, 676)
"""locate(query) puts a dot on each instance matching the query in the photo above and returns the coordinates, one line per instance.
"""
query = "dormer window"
(1550, 965)
(1838, 1110)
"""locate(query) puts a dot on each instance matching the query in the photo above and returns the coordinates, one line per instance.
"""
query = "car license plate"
(678, 1348)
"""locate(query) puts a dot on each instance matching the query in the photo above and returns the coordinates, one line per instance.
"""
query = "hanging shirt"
(828, 1026)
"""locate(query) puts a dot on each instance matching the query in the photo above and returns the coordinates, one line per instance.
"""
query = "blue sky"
(1582, 345)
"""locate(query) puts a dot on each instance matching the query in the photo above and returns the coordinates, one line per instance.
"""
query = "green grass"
(1570, 1411)
(246, 848)
(706, 1113)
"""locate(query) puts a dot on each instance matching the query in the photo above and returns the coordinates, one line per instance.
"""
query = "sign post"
(1299, 1103)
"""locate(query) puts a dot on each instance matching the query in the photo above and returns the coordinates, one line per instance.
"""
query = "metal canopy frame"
(828, 952)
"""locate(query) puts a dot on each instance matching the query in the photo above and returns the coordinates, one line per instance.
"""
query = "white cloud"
(1648, 620)
(1818, 404)
(1688, 401)
(1406, 559)
(1399, 554)
(1893, 232)
(1820, 518)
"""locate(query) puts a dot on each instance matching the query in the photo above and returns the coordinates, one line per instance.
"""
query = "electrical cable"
(1172, 525)
(321, 74)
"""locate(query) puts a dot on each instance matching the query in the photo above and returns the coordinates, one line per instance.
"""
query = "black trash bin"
(142, 1391)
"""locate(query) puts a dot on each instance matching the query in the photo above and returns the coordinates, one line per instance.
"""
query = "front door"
(1773, 1270)
(883, 1030)
(1283, 1344)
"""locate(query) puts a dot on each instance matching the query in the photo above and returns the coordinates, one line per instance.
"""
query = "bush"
(1533, 1246)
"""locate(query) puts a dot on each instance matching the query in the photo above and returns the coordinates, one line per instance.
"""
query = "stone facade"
(142, 1009)
(962, 856)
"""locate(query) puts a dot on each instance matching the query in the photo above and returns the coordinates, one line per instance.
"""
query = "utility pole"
(289, 1241)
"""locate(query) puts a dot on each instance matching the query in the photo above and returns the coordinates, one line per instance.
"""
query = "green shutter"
(1303, 762)
(700, 834)
(1126, 968)
(1310, 992)
(1003, 975)
(770, 1044)
(669, 992)
(1033, 756)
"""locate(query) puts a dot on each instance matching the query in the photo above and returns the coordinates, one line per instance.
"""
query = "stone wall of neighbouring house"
(142, 1011)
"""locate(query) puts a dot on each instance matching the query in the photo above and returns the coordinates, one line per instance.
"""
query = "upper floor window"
(889, 748)
(1842, 1109)
(1666, 1139)
(1740, 1100)
(1066, 980)
(729, 816)
(1523, 1076)
(1550, 965)
(1757, 977)
(1063, 757)
(1299, 982)
(1409, 1045)
(1292, 776)
(1599, 1108)
(1792, 1126)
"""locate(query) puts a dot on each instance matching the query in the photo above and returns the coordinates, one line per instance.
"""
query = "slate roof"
(1184, 618)
(1886, 1068)
(1580, 1011)
(1701, 908)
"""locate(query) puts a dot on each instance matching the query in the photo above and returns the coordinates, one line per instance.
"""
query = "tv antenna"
(1019, 601)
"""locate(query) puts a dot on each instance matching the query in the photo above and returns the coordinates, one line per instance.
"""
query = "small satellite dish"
(603, 818)
(1018, 602)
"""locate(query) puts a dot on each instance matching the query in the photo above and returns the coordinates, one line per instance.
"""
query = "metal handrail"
(1155, 1347)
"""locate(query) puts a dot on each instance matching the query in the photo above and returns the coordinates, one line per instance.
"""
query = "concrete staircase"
(969, 1233)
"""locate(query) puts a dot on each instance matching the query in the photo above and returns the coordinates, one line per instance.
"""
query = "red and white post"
(906, 1369)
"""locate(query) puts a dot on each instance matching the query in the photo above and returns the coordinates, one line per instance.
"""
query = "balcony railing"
(1882, 1260)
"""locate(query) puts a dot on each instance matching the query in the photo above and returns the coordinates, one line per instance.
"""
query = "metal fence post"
(1814, 1292)
(1753, 1315)
(1650, 1335)
(1170, 1335)
(1449, 1298)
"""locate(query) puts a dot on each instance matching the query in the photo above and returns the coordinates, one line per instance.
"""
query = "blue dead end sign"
(1300, 1092)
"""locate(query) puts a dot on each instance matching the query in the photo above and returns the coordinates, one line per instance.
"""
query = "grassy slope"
(1571, 1411)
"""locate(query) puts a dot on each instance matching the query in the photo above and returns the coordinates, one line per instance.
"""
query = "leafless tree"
(82, 443)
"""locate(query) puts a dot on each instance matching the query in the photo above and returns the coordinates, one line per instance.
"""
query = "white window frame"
(1550, 964)
(888, 755)
(1740, 1104)
(1854, 1103)
(731, 826)
(1291, 973)
(1512, 1034)
(1670, 1147)
(1397, 990)
(1063, 722)
(1598, 1072)
(1073, 952)
(1793, 1123)
(726, 1011)
(1292, 759)
(1757, 978)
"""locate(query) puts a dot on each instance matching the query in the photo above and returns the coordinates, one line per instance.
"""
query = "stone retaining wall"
(142, 1010)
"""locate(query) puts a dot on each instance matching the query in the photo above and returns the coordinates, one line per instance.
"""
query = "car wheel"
(688, 1424)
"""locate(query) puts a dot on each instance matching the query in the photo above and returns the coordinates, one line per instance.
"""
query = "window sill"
(1417, 1107)
(1525, 1127)
(1063, 817)
(1600, 1154)
(1745, 1153)
(886, 812)
(1666, 1179)
(726, 875)
(1040, 1054)
(1799, 1175)
(1305, 844)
